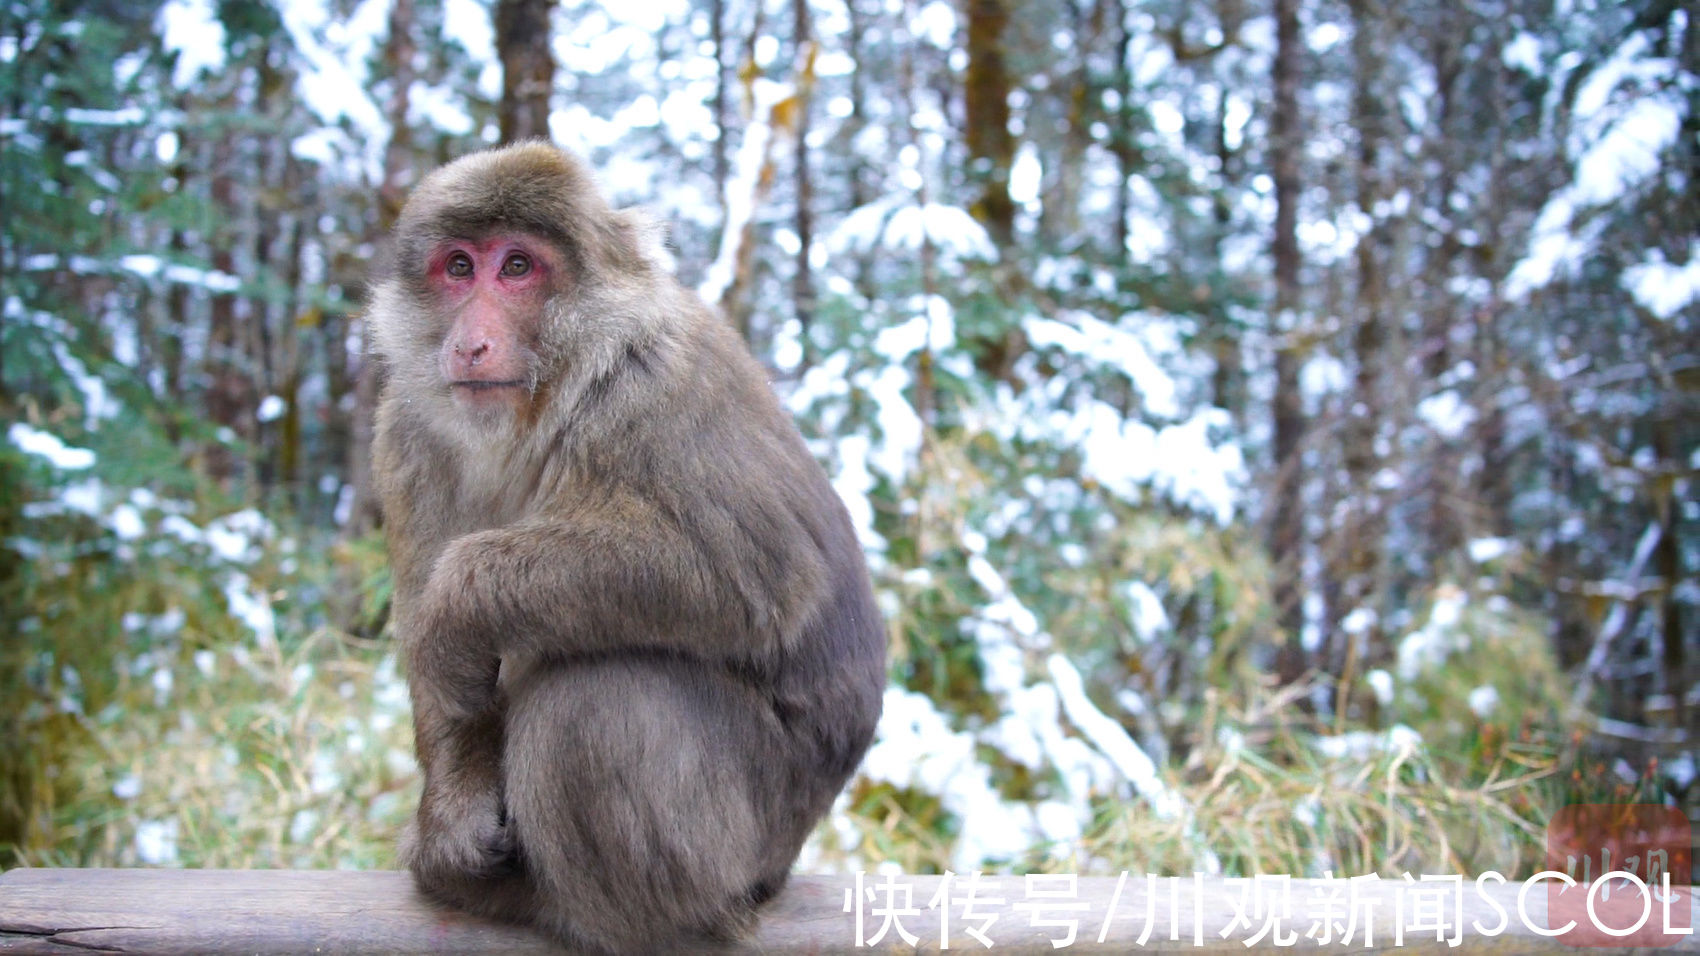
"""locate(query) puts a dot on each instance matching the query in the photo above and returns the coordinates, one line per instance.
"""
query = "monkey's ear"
(648, 237)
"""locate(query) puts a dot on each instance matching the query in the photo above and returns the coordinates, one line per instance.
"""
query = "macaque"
(639, 634)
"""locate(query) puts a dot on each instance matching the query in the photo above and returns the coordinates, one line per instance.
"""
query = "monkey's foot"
(472, 842)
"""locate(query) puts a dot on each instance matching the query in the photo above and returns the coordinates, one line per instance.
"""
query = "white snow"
(1380, 684)
(1483, 550)
(1363, 745)
(237, 536)
(1484, 700)
(1662, 287)
(1145, 612)
(252, 608)
(1125, 456)
(1429, 646)
(1109, 737)
(742, 189)
(1121, 347)
(1447, 413)
(126, 522)
(1025, 175)
(156, 842)
(899, 427)
(898, 224)
(1625, 116)
(1523, 53)
(190, 29)
(332, 56)
(1358, 621)
(149, 266)
(935, 23)
(47, 445)
(915, 747)
(933, 329)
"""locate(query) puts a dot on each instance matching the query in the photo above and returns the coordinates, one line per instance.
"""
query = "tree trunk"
(1060, 219)
(1287, 518)
(1355, 553)
(722, 165)
(991, 148)
(399, 52)
(230, 386)
(1227, 378)
(1668, 559)
(291, 452)
(850, 133)
(1122, 143)
(528, 68)
(803, 283)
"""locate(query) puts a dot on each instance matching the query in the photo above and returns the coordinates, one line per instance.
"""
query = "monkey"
(638, 627)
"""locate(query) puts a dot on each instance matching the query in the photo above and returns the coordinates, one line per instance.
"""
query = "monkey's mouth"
(478, 385)
(479, 395)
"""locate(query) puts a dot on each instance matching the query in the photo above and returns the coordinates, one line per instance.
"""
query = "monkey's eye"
(515, 266)
(459, 266)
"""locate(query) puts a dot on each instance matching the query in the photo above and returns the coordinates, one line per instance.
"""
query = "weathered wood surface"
(329, 911)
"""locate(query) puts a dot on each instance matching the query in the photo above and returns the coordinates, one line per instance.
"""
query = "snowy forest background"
(1272, 425)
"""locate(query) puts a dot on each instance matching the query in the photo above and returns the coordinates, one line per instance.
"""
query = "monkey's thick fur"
(641, 644)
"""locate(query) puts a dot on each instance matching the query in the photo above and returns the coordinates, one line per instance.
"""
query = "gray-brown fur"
(641, 644)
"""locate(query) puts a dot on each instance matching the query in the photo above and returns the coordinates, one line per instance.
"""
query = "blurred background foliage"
(1272, 425)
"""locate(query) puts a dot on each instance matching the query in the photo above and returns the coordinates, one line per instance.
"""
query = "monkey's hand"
(459, 834)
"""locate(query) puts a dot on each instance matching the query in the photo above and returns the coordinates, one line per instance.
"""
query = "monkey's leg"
(459, 842)
(643, 795)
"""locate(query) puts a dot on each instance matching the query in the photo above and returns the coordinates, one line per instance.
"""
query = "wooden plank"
(334, 911)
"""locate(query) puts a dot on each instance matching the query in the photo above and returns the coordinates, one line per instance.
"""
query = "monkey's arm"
(618, 575)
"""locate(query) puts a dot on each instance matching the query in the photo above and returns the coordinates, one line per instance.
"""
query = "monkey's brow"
(475, 226)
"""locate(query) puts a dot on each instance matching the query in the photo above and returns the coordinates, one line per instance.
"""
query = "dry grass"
(297, 759)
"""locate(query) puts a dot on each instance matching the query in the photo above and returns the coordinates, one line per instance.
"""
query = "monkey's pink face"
(493, 292)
